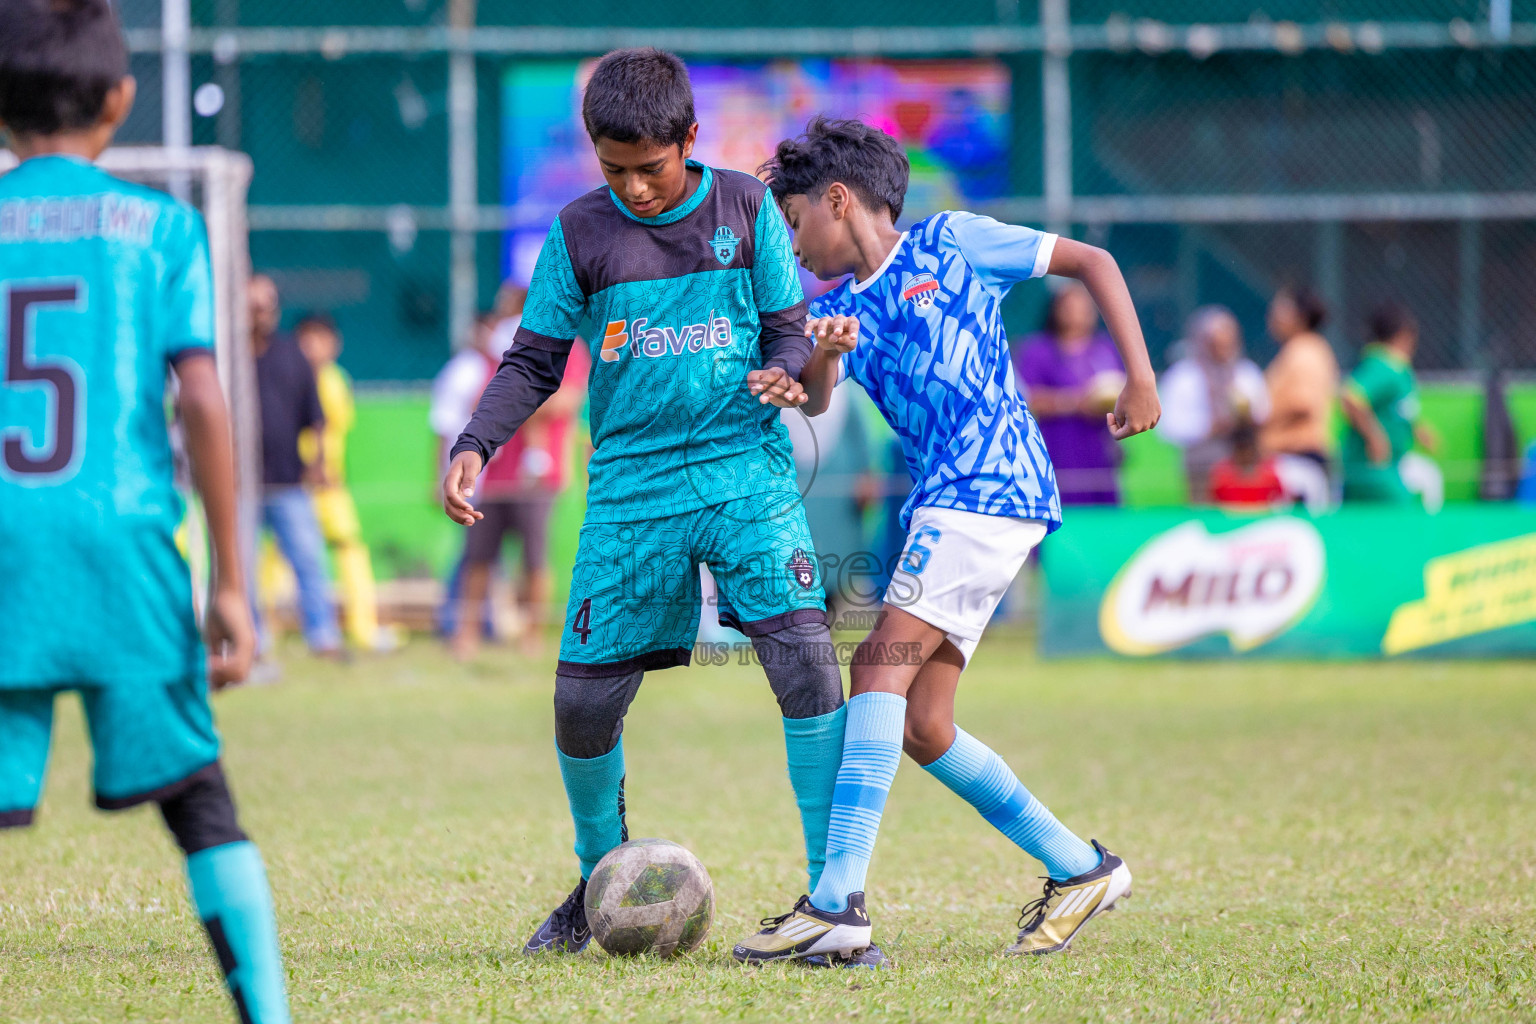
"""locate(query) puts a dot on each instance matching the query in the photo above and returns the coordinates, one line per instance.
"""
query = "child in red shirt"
(1246, 479)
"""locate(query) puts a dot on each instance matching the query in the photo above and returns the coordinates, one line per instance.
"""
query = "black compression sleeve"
(529, 373)
(782, 337)
(201, 814)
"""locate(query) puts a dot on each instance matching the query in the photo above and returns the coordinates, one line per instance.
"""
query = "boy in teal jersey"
(1381, 405)
(104, 287)
(686, 275)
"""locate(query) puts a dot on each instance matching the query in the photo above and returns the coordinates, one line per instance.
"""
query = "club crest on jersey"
(802, 569)
(724, 243)
(921, 290)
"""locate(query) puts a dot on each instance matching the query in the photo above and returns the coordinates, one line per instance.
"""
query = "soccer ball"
(649, 896)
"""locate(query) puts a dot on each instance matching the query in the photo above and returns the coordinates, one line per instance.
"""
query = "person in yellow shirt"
(320, 342)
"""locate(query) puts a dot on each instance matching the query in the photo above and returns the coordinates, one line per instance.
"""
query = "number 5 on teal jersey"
(52, 454)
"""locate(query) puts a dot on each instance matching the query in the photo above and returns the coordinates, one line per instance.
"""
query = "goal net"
(215, 181)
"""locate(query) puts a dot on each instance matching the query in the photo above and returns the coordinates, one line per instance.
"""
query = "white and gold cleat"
(807, 932)
(1050, 923)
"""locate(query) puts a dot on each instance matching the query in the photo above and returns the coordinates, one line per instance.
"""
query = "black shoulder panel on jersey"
(609, 247)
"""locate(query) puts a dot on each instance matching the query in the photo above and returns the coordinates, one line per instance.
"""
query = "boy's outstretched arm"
(531, 370)
(528, 375)
(781, 312)
(227, 626)
(1138, 408)
(833, 335)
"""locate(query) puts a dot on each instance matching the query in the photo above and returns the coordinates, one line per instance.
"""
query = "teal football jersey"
(103, 285)
(678, 306)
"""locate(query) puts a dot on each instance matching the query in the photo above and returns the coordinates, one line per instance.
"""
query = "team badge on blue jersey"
(802, 569)
(921, 290)
(724, 244)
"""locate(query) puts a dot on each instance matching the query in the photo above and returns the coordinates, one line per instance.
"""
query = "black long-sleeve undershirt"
(781, 336)
(530, 371)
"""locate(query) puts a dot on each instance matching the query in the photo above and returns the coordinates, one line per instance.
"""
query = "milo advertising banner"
(1359, 582)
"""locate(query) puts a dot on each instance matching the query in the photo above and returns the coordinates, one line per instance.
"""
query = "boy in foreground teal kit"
(104, 287)
(686, 274)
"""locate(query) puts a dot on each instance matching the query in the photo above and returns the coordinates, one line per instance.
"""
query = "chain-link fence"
(1374, 149)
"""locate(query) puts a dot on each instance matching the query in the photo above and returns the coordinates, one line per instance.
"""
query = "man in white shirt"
(1208, 393)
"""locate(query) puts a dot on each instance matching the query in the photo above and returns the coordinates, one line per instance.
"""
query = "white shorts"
(956, 567)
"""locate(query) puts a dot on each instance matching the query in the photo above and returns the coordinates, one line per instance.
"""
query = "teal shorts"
(636, 595)
(145, 739)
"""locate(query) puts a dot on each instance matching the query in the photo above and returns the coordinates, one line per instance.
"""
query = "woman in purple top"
(1071, 374)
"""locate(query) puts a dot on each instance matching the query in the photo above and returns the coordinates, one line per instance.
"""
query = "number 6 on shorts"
(918, 553)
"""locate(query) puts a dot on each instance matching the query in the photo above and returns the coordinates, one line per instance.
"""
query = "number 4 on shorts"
(583, 622)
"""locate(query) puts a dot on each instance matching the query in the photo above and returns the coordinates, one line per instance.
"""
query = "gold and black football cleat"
(1050, 923)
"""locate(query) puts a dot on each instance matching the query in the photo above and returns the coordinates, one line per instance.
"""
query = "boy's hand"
(1136, 410)
(837, 334)
(231, 637)
(459, 487)
(774, 384)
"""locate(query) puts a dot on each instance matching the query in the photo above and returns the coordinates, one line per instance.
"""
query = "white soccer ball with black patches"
(650, 896)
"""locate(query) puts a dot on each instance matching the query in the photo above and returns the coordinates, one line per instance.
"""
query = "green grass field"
(1310, 842)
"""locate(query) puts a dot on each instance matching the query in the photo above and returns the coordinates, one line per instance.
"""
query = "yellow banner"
(1474, 591)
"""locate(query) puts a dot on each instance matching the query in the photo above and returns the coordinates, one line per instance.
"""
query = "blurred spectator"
(516, 492)
(320, 341)
(1072, 375)
(1209, 394)
(1303, 381)
(507, 309)
(835, 471)
(455, 392)
(1381, 405)
(1246, 478)
(290, 403)
(1499, 479)
(457, 387)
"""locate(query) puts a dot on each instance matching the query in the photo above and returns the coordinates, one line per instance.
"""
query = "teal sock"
(979, 776)
(594, 787)
(871, 754)
(814, 749)
(229, 890)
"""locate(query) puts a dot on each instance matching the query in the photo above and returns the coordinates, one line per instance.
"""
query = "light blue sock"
(814, 749)
(229, 890)
(871, 753)
(594, 787)
(979, 776)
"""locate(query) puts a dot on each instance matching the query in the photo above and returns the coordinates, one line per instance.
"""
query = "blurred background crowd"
(1299, 432)
(1324, 210)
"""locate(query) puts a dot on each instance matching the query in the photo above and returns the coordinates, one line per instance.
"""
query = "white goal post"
(215, 181)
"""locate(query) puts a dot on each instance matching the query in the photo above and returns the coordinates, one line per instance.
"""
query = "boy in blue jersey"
(104, 288)
(919, 326)
(687, 277)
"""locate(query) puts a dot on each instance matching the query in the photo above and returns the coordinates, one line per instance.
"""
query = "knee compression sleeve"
(201, 813)
(589, 713)
(801, 665)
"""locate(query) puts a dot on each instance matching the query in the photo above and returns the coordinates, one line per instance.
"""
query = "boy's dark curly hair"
(866, 159)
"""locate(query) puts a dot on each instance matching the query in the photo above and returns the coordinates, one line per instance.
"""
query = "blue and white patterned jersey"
(933, 355)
